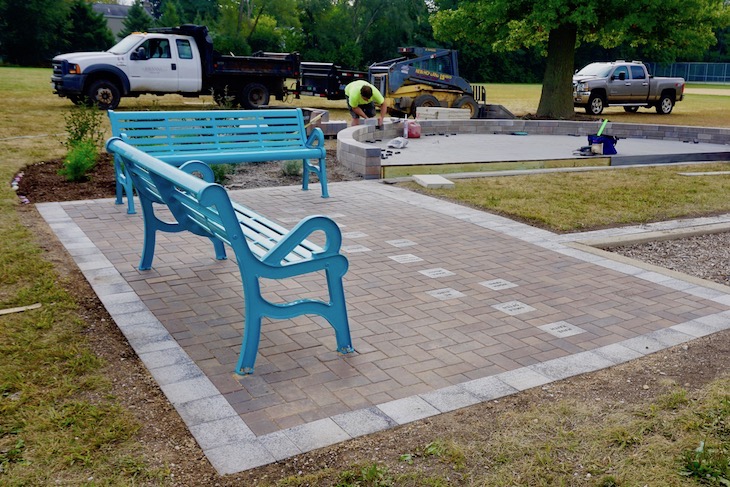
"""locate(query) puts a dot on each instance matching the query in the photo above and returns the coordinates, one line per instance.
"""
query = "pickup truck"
(172, 60)
(627, 84)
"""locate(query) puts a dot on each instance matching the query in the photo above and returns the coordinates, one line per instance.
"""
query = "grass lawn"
(60, 424)
(579, 201)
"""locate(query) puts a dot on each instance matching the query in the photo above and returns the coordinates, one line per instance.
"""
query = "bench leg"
(251, 338)
(123, 184)
(150, 235)
(339, 320)
(220, 249)
(321, 173)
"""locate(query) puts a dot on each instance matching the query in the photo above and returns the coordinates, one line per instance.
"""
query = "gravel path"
(704, 256)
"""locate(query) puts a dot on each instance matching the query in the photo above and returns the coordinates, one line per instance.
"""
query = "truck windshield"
(123, 46)
(595, 69)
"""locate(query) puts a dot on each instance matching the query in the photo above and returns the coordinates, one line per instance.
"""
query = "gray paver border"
(231, 446)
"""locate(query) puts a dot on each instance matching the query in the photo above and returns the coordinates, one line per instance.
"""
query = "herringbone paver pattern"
(433, 301)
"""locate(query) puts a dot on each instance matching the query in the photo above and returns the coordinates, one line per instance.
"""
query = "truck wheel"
(424, 101)
(665, 105)
(595, 105)
(631, 109)
(254, 95)
(103, 94)
(467, 102)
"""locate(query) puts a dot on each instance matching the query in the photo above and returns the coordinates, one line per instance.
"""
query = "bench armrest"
(316, 136)
(201, 168)
(297, 235)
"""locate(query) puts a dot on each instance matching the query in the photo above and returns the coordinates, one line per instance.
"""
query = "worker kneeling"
(361, 99)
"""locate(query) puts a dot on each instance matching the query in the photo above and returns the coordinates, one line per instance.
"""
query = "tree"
(170, 14)
(665, 30)
(30, 30)
(228, 36)
(87, 30)
(138, 20)
(193, 10)
(356, 33)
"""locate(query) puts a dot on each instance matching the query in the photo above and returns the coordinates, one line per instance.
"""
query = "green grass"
(606, 442)
(567, 202)
(60, 423)
(694, 110)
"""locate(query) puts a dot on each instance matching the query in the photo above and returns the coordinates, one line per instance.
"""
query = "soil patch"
(41, 182)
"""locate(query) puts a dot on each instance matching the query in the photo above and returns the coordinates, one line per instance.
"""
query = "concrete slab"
(448, 148)
(433, 181)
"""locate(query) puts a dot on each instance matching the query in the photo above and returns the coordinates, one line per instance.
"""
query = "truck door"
(639, 84)
(188, 67)
(153, 67)
(619, 85)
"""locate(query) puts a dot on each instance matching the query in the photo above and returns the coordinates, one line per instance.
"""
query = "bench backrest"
(198, 206)
(161, 133)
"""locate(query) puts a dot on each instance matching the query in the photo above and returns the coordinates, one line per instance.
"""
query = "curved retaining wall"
(354, 151)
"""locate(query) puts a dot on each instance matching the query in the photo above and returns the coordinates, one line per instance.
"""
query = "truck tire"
(104, 94)
(253, 96)
(424, 101)
(595, 104)
(665, 105)
(467, 102)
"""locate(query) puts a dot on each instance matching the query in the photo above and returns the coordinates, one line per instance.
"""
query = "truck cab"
(139, 63)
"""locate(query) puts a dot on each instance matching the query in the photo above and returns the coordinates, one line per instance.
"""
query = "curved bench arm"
(205, 171)
(300, 232)
(316, 136)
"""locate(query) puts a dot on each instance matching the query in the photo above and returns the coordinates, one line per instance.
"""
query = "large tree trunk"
(556, 100)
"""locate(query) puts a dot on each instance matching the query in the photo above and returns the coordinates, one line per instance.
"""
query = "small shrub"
(84, 123)
(221, 172)
(224, 99)
(291, 168)
(79, 160)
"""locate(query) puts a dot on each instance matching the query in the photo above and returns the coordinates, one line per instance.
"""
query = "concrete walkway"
(449, 306)
(445, 148)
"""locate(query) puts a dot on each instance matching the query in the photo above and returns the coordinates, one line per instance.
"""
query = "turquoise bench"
(263, 249)
(219, 137)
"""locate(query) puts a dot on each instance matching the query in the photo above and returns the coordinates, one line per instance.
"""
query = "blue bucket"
(608, 141)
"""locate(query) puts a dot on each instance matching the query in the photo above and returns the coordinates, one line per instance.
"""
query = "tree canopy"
(662, 29)
(30, 30)
(87, 29)
(138, 20)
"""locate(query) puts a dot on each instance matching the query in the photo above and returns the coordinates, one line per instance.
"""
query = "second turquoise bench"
(220, 137)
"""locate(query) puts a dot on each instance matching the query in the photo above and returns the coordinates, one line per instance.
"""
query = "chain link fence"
(697, 72)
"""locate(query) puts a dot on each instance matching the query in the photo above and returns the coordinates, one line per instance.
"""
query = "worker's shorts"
(368, 108)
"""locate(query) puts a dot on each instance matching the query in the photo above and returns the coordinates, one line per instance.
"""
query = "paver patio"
(448, 306)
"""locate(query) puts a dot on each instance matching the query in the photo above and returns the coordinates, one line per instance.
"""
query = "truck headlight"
(581, 87)
(74, 69)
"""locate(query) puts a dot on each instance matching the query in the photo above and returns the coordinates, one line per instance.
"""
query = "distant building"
(115, 14)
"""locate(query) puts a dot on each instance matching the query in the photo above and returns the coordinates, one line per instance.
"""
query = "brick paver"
(439, 296)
